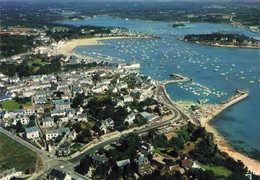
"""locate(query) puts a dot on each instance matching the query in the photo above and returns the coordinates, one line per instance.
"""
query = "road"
(162, 96)
(41, 133)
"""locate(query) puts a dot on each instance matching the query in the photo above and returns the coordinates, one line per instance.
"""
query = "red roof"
(187, 163)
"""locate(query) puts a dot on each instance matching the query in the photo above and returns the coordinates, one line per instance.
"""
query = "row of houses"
(101, 127)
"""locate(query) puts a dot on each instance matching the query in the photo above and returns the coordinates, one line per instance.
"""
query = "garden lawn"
(13, 105)
(218, 170)
(13, 154)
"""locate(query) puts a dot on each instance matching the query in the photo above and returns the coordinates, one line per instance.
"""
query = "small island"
(223, 40)
(178, 25)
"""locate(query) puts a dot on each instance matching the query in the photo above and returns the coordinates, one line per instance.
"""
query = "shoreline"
(222, 143)
(221, 45)
(68, 47)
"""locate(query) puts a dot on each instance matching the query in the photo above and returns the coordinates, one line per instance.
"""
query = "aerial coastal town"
(66, 116)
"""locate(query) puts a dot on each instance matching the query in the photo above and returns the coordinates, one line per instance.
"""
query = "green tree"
(237, 176)
(140, 120)
(177, 143)
(86, 132)
(191, 127)
(160, 140)
(184, 134)
(19, 127)
(96, 78)
(80, 138)
(77, 127)
(84, 165)
(78, 100)
(58, 138)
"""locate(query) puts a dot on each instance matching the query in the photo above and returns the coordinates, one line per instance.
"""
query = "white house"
(39, 108)
(28, 93)
(100, 128)
(100, 89)
(73, 134)
(122, 85)
(62, 105)
(130, 119)
(9, 174)
(83, 118)
(128, 98)
(65, 97)
(148, 116)
(40, 101)
(12, 113)
(109, 123)
(29, 111)
(32, 132)
(58, 113)
(97, 89)
(53, 133)
(24, 119)
(48, 122)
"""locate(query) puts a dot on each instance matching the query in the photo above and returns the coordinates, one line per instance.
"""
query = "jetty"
(177, 79)
(208, 111)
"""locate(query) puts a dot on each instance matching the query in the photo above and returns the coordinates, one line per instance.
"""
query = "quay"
(208, 112)
(177, 79)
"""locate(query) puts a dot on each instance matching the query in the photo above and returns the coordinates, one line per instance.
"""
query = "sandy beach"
(68, 47)
(252, 164)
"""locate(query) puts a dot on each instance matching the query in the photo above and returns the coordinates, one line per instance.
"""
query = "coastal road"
(103, 143)
(162, 96)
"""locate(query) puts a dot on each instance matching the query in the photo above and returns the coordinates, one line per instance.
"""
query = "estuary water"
(216, 71)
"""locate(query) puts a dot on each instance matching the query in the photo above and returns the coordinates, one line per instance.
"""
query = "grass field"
(13, 154)
(218, 170)
(12, 105)
(38, 61)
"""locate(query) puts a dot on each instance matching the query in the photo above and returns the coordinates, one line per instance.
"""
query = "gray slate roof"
(98, 158)
(123, 162)
(31, 129)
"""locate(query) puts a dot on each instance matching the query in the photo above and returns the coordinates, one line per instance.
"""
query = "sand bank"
(68, 47)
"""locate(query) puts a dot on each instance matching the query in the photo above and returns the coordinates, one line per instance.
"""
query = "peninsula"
(223, 40)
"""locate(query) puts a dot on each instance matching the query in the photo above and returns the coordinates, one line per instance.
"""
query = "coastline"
(68, 47)
(221, 45)
(223, 145)
(254, 165)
